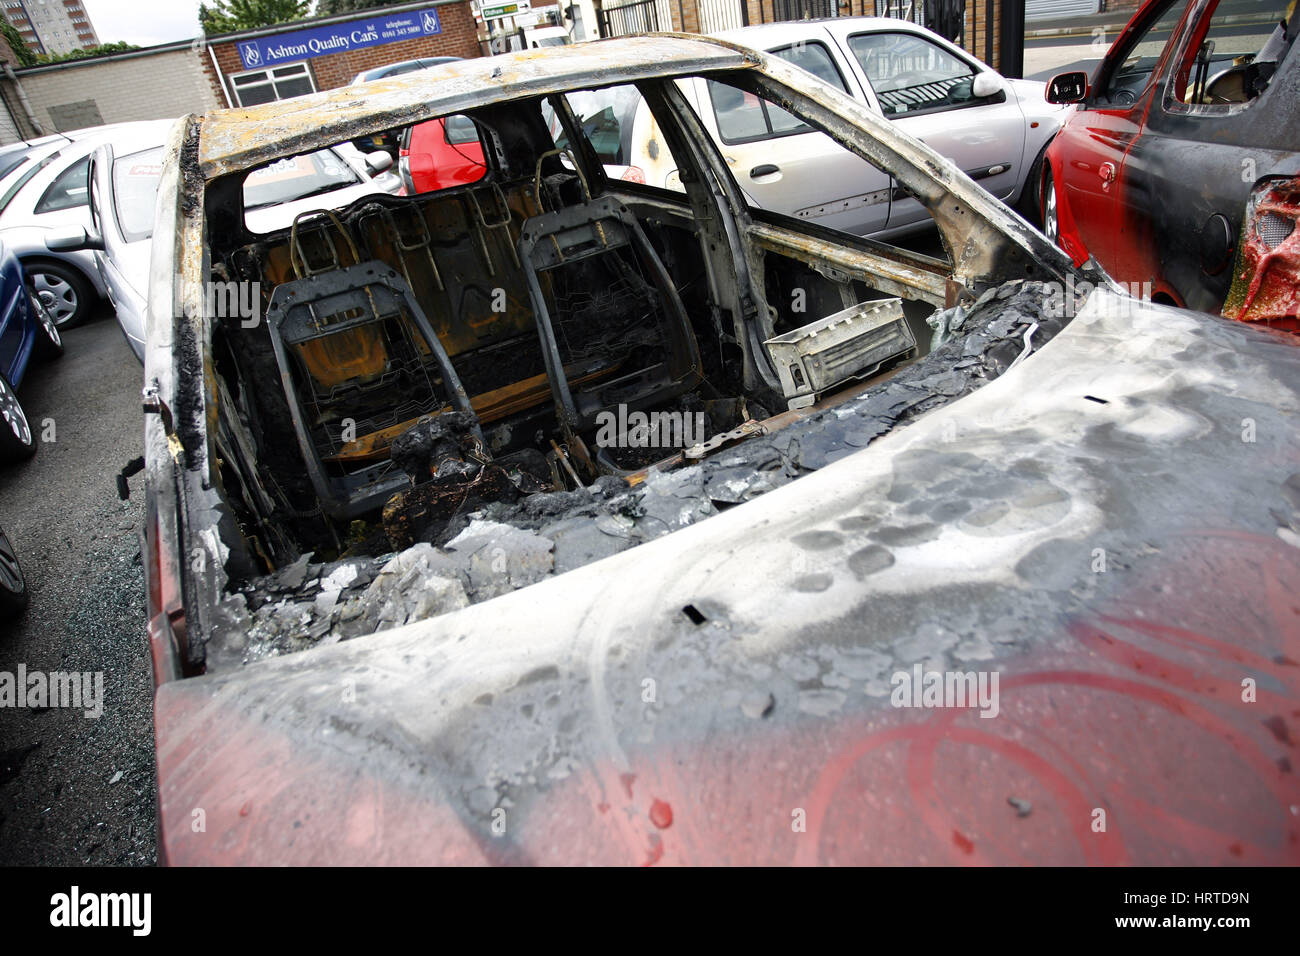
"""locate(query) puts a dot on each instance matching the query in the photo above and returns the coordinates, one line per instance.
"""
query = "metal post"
(988, 33)
(1012, 57)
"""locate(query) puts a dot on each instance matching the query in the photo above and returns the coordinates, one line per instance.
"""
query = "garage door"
(1042, 9)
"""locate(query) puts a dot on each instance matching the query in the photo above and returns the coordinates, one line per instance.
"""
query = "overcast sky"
(144, 22)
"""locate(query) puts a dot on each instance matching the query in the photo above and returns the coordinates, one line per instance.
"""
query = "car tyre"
(16, 439)
(49, 344)
(1051, 221)
(13, 586)
(63, 290)
(1030, 204)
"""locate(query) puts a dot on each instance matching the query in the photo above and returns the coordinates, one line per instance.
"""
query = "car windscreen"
(297, 177)
(135, 192)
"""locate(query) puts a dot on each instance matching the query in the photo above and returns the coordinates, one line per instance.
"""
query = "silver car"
(993, 128)
(48, 192)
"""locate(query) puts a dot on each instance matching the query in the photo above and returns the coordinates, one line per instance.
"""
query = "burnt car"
(959, 559)
(1180, 169)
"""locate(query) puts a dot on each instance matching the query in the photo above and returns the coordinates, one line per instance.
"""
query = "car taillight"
(633, 174)
(1266, 279)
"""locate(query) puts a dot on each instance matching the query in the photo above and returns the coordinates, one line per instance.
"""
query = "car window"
(70, 189)
(813, 56)
(11, 161)
(1136, 61)
(911, 74)
(135, 192)
(1222, 63)
(23, 178)
(297, 177)
(745, 118)
(606, 117)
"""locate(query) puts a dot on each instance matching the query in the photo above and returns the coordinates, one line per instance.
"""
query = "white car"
(994, 129)
(124, 192)
(48, 191)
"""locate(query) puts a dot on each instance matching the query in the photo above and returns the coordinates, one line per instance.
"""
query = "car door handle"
(1107, 172)
(766, 169)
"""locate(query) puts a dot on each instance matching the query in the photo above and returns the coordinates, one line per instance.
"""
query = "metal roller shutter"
(1042, 9)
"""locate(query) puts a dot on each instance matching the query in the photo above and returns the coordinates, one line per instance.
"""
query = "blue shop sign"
(338, 38)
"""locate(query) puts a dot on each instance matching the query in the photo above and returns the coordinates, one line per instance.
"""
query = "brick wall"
(159, 85)
(459, 37)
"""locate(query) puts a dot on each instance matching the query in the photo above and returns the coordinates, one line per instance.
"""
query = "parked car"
(422, 587)
(27, 333)
(15, 155)
(387, 139)
(13, 586)
(125, 173)
(397, 69)
(1178, 169)
(440, 153)
(52, 194)
(993, 128)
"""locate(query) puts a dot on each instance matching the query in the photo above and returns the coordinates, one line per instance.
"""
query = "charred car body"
(406, 436)
(1180, 169)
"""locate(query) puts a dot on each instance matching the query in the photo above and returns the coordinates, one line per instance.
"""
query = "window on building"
(277, 83)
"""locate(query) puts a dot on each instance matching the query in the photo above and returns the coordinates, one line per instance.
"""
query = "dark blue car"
(26, 333)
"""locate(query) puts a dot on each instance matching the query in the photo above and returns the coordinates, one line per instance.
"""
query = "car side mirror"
(986, 85)
(1068, 88)
(379, 161)
(72, 239)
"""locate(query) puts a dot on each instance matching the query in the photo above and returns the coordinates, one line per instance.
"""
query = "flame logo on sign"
(430, 23)
(251, 54)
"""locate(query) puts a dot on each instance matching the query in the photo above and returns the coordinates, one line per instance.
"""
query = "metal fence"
(913, 10)
(803, 9)
(718, 15)
(640, 16)
(776, 11)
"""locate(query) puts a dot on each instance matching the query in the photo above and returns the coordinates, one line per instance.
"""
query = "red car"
(1178, 170)
(441, 153)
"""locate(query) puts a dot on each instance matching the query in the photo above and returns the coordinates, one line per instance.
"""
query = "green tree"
(329, 7)
(81, 54)
(21, 50)
(226, 16)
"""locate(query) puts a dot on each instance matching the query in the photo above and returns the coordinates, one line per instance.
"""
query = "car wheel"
(16, 439)
(13, 588)
(63, 291)
(1051, 225)
(49, 344)
(1030, 205)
